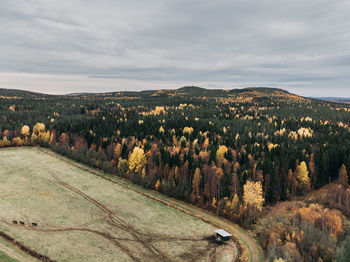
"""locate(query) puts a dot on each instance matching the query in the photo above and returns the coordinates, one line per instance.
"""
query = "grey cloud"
(293, 44)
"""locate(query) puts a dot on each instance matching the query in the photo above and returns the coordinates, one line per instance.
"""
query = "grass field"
(5, 258)
(82, 217)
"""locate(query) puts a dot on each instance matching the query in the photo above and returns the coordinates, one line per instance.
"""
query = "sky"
(69, 46)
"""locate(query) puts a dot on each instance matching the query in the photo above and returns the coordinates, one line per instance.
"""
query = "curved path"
(250, 250)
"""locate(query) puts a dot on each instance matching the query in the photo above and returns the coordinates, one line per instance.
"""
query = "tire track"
(197, 249)
(240, 238)
(115, 221)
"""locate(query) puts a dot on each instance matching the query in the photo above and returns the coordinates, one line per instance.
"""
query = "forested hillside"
(233, 152)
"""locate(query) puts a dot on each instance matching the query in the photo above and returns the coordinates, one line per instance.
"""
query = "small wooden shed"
(223, 235)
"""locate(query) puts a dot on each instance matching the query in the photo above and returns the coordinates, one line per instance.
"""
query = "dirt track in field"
(250, 250)
(147, 240)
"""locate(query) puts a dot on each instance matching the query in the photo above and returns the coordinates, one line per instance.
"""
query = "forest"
(249, 155)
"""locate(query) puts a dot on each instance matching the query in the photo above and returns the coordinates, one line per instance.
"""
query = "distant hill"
(247, 94)
(80, 94)
(17, 93)
(345, 100)
(187, 90)
(192, 89)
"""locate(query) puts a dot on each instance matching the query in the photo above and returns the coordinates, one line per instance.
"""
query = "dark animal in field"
(15, 222)
(34, 224)
(21, 223)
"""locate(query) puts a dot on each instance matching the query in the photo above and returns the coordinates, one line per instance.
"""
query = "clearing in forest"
(82, 217)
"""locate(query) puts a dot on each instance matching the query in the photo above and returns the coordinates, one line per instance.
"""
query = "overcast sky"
(110, 45)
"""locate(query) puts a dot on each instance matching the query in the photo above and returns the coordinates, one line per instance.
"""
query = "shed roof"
(223, 233)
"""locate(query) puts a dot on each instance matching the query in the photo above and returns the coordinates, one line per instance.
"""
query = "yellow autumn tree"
(303, 174)
(234, 203)
(34, 138)
(187, 130)
(221, 151)
(161, 130)
(157, 185)
(44, 137)
(158, 110)
(39, 127)
(5, 141)
(137, 160)
(213, 203)
(253, 194)
(17, 141)
(253, 197)
(25, 130)
(195, 184)
(183, 141)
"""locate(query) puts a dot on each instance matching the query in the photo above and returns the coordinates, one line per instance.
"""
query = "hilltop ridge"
(248, 94)
(13, 93)
(195, 90)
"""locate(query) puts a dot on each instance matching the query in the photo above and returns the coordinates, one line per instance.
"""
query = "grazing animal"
(15, 222)
(34, 224)
(21, 223)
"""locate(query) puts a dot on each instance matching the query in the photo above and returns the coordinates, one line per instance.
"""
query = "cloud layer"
(84, 45)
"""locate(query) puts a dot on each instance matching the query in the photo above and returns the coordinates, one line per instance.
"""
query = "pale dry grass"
(82, 217)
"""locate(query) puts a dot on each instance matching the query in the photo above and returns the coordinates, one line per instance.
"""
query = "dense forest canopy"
(229, 151)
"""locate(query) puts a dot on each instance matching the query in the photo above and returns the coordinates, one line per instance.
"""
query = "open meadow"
(72, 215)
